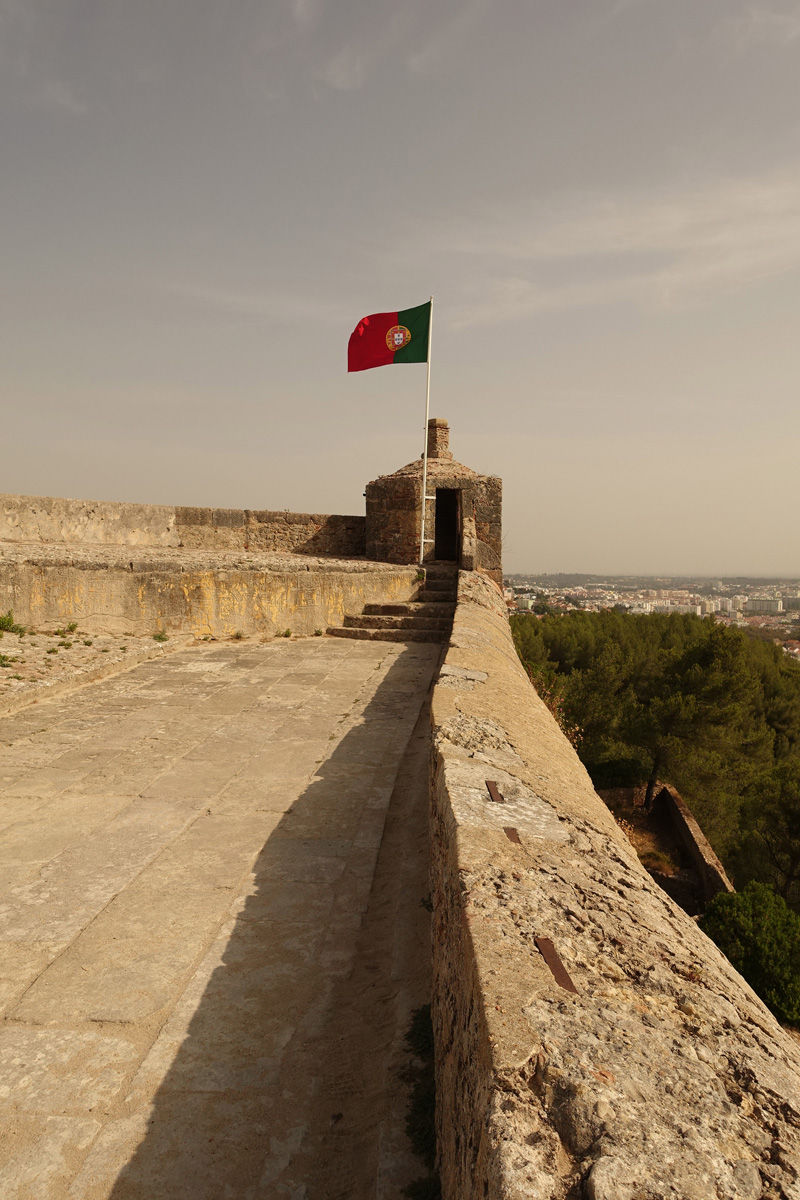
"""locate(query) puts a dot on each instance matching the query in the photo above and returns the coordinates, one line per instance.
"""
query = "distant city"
(767, 608)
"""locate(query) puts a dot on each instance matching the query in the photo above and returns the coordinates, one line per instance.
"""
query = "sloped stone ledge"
(665, 1076)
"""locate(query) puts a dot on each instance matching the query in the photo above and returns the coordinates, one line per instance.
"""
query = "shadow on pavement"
(236, 1060)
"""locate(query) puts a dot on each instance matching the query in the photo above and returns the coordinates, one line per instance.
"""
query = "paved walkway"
(187, 871)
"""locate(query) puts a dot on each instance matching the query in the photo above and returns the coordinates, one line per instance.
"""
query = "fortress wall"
(47, 519)
(109, 590)
(664, 1076)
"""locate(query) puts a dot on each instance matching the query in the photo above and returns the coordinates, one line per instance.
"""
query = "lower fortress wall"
(663, 1075)
(49, 519)
(709, 869)
(129, 592)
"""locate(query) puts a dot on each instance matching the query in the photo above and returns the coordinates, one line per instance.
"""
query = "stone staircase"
(428, 618)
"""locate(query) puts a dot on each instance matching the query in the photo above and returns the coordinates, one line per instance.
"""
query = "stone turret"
(463, 513)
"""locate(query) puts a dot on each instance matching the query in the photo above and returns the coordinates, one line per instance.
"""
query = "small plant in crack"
(7, 623)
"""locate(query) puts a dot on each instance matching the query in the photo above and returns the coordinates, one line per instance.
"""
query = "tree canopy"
(760, 935)
(690, 702)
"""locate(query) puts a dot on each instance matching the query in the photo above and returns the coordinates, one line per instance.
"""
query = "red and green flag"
(395, 337)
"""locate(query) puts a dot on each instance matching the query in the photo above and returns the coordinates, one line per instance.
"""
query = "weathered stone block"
(194, 516)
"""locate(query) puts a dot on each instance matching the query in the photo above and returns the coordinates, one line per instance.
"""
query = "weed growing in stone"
(7, 623)
(287, 633)
(160, 636)
(73, 625)
(53, 650)
(317, 633)
(237, 637)
(86, 642)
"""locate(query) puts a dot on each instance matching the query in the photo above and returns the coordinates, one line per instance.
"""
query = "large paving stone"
(186, 852)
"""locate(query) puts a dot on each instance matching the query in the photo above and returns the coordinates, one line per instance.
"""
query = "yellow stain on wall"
(204, 602)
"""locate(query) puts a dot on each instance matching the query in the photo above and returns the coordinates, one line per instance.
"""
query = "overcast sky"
(199, 199)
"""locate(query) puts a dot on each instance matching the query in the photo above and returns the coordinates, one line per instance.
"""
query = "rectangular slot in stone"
(494, 792)
(550, 956)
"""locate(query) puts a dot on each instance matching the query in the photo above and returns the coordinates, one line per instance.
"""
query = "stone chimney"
(438, 439)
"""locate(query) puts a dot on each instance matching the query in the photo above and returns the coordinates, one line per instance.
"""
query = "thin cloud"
(350, 67)
(762, 24)
(617, 11)
(258, 305)
(664, 249)
(59, 95)
(447, 42)
(509, 299)
(306, 13)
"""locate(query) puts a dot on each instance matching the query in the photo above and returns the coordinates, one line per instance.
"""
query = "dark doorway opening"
(447, 524)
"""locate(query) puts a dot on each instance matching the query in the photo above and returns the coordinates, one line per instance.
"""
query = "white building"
(763, 605)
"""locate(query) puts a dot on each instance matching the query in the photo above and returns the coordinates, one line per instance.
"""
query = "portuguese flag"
(395, 337)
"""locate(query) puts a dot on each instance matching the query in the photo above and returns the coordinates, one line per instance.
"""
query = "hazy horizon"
(200, 201)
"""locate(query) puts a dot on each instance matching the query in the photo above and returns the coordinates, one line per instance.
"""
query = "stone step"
(366, 621)
(426, 595)
(390, 635)
(440, 581)
(438, 608)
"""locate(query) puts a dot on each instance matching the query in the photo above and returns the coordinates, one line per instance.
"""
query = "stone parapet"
(104, 522)
(663, 1075)
(145, 590)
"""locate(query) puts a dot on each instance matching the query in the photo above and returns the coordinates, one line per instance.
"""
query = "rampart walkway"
(204, 981)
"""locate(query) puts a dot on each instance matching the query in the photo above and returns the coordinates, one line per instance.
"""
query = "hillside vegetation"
(689, 702)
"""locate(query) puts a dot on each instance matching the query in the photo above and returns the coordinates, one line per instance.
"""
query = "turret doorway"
(447, 530)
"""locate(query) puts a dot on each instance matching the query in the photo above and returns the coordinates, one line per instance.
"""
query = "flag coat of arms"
(394, 337)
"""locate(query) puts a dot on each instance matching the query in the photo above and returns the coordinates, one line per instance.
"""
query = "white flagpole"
(425, 443)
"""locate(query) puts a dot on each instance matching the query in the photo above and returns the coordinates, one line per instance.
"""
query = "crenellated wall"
(663, 1075)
